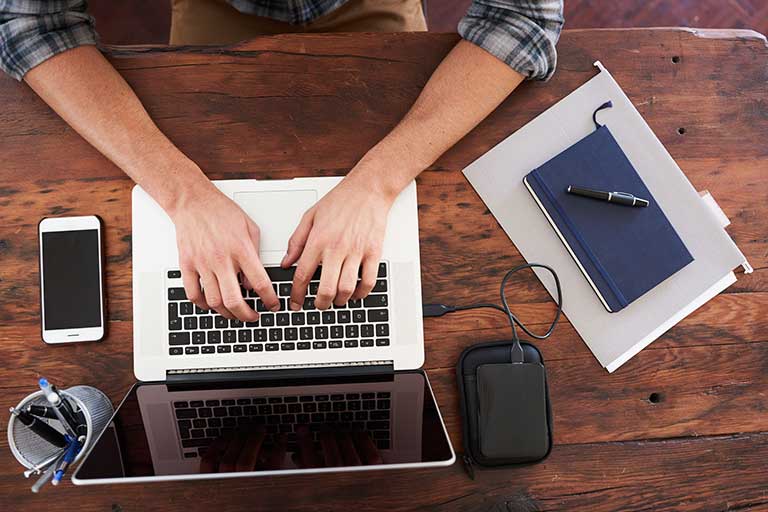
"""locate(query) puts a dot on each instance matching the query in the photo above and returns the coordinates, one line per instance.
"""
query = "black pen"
(63, 410)
(42, 411)
(623, 198)
(41, 428)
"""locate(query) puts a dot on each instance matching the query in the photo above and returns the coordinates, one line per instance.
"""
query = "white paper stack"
(613, 338)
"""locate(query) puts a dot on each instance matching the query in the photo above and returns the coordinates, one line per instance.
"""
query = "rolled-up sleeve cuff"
(27, 41)
(526, 46)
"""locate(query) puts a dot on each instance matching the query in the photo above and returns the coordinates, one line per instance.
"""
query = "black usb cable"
(517, 354)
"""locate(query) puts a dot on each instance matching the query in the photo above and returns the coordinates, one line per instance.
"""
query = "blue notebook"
(623, 251)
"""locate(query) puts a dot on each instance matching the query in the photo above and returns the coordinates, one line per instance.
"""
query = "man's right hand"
(216, 241)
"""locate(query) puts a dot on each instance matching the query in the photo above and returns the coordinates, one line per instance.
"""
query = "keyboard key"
(174, 324)
(186, 308)
(221, 322)
(382, 342)
(284, 289)
(283, 319)
(259, 335)
(318, 344)
(380, 286)
(255, 323)
(355, 303)
(313, 317)
(337, 397)
(368, 396)
(260, 307)
(382, 330)
(190, 323)
(214, 337)
(303, 345)
(174, 274)
(350, 343)
(191, 350)
(199, 311)
(206, 322)
(358, 316)
(240, 348)
(305, 333)
(175, 351)
(369, 405)
(314, 286)
(337, 332)
(267, 319)
(382, 394)
(230, 336)
(329, 317)
(178, 338)
(280, 274)
(382, 270)
(180, 405)
(352, 331)
(366, 331)
(194, 443)
(244, 336)
(223, 349)
(321, 332)
(309, 303)
(198, 338)
(236, 324)
(173, 309)
(185, 414)
(177, 294)
(207, 350)
(378, 315)
(297, 318)
(366, 343)
(287, 346)
(272, 347)
(375, 301)
(291, 334)
(377, 425)
(334, 344)
(275, 335)
(379, 415)
(255, 348)
(228, 402)
(343, 317)
(199, 422)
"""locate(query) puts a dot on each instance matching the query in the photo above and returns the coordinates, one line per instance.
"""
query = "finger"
(347, 450)
(191, 280)
(259, 281)
(250, 452)
(209, 463)
(232, 453)
(368, 277)
(368, 452)
(232, 296)
(306, 454)
(329, 282)
(276, 456)
(347, 280)
(330, 449)
(305, 270)
(298, 240)
(213, 295)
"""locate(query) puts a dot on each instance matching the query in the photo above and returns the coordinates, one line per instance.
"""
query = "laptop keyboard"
(200, 422)
(356, 325)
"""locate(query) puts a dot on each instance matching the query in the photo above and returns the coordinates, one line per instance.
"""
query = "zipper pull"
(469, 467)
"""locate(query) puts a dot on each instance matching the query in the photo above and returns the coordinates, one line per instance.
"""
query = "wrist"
(383, 175)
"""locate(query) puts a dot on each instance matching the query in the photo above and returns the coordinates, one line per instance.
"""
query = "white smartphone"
(71, 279)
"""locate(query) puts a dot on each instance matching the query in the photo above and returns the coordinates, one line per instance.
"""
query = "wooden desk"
(683, 425)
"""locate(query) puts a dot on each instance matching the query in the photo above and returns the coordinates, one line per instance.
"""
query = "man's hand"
(217, 240)
(344, 231)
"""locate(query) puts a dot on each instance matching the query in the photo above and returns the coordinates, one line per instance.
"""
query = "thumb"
(299, 238)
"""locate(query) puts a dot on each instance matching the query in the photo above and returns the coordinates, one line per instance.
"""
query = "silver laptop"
(302, 386)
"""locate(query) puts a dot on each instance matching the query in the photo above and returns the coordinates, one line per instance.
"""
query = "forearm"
(87, 92)
(467, 86)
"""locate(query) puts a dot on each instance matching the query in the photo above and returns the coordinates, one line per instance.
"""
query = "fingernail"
(295, 306)
(275, 308)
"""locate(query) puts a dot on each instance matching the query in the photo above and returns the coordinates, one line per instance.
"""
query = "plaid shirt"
(521, 33)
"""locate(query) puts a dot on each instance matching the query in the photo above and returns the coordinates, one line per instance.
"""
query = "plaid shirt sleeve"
(521, 33)
(32, 31)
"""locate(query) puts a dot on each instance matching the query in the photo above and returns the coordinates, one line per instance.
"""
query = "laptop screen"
(178, 431)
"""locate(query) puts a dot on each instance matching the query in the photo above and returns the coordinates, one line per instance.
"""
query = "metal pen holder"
(32, 451)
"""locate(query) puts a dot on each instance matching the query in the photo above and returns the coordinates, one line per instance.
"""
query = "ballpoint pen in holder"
(89, 406)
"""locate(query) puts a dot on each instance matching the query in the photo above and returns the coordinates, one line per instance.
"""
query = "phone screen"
(71, 270)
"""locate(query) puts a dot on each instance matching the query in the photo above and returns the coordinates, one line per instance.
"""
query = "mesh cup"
(30, 450)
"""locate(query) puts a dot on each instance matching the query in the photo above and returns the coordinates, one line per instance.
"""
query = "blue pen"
(62, 408)
(69, 456)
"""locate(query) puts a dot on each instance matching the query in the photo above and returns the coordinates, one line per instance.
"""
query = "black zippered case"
(504, 420)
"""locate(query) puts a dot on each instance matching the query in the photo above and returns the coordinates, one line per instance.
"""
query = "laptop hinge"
(280, 372)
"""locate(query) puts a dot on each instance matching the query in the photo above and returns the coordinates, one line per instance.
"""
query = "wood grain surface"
(284, 106)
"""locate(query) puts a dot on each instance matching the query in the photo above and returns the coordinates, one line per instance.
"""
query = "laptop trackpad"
(277, 213)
